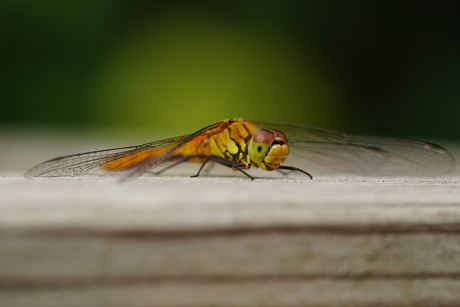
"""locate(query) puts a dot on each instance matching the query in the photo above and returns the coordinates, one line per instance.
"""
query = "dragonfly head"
(268, 148)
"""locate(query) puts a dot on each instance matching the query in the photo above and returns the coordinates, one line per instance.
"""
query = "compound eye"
(264, 136)
(260, 144)
(280, 136)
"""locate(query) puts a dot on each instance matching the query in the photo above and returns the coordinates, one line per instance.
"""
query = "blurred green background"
(370, 67)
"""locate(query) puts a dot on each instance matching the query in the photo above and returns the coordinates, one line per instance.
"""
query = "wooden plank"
(175, 241)
(269, 292)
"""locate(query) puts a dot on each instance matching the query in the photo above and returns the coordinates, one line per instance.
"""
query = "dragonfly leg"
(292, 168)
(209, 168)
(181, 160)
(224, 162)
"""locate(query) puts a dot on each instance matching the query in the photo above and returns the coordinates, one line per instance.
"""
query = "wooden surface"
(221, 241)
(178, 241)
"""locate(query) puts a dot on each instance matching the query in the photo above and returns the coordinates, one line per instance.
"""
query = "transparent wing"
(81, 163)
(362, 154)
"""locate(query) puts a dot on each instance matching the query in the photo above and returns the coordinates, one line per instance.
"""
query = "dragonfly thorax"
(268, 148)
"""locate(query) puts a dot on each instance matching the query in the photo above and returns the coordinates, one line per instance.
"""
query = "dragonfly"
(242, 143)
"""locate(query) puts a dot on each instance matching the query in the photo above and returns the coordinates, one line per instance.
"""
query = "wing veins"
(363, 154)
(67, 166)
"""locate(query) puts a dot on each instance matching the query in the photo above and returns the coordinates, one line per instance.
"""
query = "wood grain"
(177, 241)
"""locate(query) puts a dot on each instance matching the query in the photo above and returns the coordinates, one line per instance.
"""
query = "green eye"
(260, 144)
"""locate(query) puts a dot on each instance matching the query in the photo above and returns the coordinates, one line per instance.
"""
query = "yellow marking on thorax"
(231, 147)
(231, 141)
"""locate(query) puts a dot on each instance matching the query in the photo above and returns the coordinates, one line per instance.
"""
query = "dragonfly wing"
(78, 164)
(363, 154)
(140, 158)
